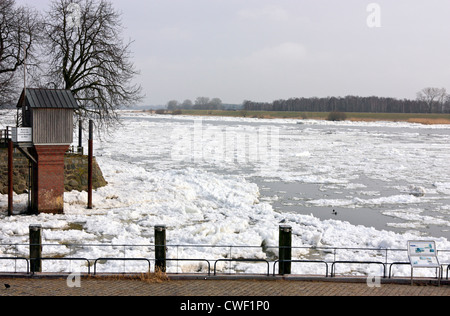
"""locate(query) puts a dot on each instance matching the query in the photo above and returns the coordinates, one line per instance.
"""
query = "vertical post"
(90, 158)
(160, 248)
(10, 177)
(35, 248)
(285, 249)
(80, 137)
(30, 185)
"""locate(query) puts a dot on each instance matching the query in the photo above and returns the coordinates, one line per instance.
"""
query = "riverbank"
(420, 118)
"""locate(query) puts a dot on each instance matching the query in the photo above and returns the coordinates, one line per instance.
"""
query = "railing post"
(90, 158)
(285, 249)
(10, 177)
(35, 248)
(160, 248)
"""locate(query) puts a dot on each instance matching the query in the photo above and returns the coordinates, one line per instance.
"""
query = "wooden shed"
(50, 114)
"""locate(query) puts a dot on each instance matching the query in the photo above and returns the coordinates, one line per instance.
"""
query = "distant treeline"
(201, 103)
(351, 104)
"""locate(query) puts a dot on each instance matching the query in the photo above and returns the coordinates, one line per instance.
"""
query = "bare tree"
(201, 103)
(187, 104)
(216, 103)
(172, 105)
(89, 57)
(19, 32)
(432, 96)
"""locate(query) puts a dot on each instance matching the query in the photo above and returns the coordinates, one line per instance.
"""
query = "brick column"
(48, 179)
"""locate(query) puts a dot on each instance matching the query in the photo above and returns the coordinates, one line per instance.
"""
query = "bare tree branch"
(432, 97)
(90, 58)
(19, 32)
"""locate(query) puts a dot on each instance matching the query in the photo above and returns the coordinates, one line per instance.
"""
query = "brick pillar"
(48, 179)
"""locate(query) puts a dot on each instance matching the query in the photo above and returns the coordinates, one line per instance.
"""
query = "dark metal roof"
(48, 99)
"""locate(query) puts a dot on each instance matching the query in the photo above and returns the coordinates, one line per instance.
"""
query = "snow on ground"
(155, 178)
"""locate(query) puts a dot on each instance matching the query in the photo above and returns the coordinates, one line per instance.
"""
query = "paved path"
(220, 288)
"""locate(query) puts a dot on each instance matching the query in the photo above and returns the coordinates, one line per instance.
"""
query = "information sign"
(423, 254)
(22, 134)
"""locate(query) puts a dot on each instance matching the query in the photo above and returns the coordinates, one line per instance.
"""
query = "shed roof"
(48, 99)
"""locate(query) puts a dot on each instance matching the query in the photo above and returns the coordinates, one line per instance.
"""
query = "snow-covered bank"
(212, 202)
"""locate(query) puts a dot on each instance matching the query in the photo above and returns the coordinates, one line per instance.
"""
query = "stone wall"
(20, 178)
(75, 178)
(76, 173)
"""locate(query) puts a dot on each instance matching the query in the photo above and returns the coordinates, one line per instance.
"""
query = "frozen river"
(392, 176)
(232, 181)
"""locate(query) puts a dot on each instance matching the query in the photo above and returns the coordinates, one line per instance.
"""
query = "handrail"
(120, 259)
(181, 259)
(5, 134)
(329, 252)
(333, 271)
(242, 260)
(448, 268)
(71, 259)
(18, 258)
(302, 261)
(396, 263)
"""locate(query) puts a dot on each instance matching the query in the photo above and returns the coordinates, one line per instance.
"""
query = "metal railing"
(14, 253)
(75, 150)
(5, 136)
(15, 262)
(242, 260)
(302, 261)
(121, 259)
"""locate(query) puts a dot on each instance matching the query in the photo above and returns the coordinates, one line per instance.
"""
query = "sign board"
(424, 262)
(423, 254)
(22, 134)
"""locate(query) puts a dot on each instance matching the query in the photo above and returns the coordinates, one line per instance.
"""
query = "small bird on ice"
(334, 212)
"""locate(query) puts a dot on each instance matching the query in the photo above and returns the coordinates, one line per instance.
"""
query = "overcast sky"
(263, 50)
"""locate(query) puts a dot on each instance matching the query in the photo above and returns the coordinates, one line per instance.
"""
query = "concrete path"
(201, 288)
